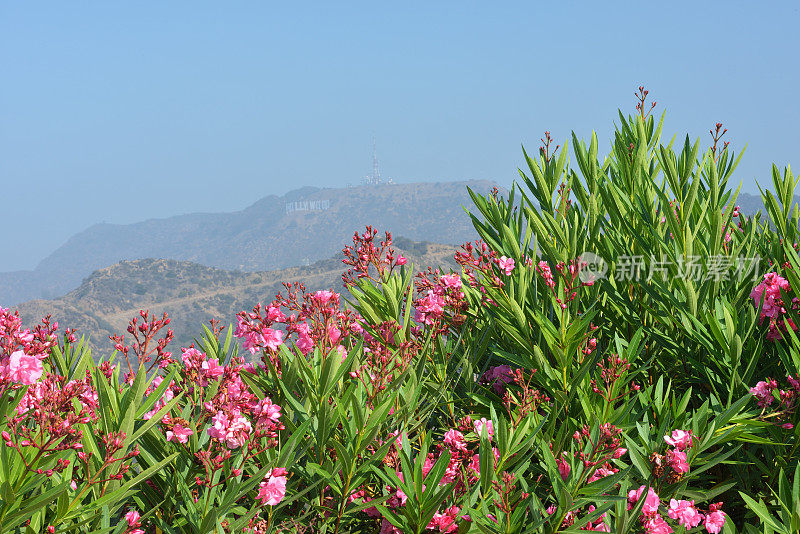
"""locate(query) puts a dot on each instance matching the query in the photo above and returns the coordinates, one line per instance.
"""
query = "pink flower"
(650, 502)
(323, 297)
(563, 468)
(546, 273)
(132, 518)
(273, 338)
(602, 472)
(192, 357)
(681, 439)
(677, 461)
(272, 489)
(401, 260)
(455, 440)
(770, 291)
(445, 522)
(24, 368)
(212, 369)
(715, 520)
(232, 428)
(305, 343)
(333, 333)
(506, 264)
(763, 392)
(275, 315)
(451, 281)
(180, 433)
(267, 412)
(429, 308)
(685, 513)
(656, 525)
(480, 424)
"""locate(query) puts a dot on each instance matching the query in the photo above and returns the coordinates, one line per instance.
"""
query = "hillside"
(191, 293)
(301, 227)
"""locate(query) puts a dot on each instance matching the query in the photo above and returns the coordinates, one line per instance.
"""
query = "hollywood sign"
(308, 205)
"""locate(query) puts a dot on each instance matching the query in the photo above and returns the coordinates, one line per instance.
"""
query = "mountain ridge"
(264, 235)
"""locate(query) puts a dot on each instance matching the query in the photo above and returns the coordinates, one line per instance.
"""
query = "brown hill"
(303, 226)
(191, 293)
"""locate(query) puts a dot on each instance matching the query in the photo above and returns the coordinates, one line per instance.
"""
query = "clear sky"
(119, 112)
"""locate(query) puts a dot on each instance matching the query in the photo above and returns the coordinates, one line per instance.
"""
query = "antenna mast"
(376, 173)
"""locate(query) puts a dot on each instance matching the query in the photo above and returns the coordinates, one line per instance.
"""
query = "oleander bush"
(618, 354)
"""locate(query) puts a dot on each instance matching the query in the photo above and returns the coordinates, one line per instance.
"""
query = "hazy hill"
(264, 236)
(191, 293)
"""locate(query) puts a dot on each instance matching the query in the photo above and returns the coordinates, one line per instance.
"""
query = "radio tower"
(375, 179)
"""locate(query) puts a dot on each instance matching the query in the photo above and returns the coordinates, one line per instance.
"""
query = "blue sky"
(121, 112)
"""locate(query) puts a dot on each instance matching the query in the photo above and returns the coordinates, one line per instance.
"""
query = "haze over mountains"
(301, 227)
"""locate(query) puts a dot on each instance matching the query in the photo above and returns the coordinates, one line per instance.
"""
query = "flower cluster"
(782, 412)
(569, 273)
(48, 416)
(364, 254)
(497, 377)
(132, 518)
(603, 446)
(684, 512)
(613, 371)
(316, 319)
(272, 489)
(773, 307)
(463, 471)
(147, 346)
(22, 350)
(385, 356)
(478, 260)
(443, 301)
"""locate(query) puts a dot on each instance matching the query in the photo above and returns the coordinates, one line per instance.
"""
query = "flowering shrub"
(554, 384)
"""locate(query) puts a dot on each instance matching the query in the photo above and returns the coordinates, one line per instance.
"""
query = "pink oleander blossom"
(650, 503)
(656, 525)
(24, 368)
(451, 281)
(714, 522)
(763, 392)
(455, 440)
(267, 412)
(179, 433)
(680, 439)
(305, 343)
(132, 518)
(429, 308)
(677, 461)
(211, 369)
(231, 428)
(506, 265)
(546, 273)
(770, 290)
(272, 489)
(478, 425)
(563, 468)
(272, 338)
(445, 522)
(684, 513)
